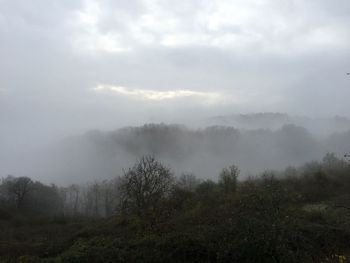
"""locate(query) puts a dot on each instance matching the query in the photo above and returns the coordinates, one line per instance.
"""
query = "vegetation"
(148, 215)
(201, 151)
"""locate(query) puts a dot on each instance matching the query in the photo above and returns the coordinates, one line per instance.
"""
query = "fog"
(69, 68)
(203, 152)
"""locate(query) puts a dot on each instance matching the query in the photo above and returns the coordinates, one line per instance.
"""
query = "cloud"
(89, 37)
(156, 95)
(241, 26)
(249, 55)
(173, 59)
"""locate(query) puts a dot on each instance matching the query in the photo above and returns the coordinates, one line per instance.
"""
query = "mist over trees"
(168, 193)
(203, 152)
(255, 142)
(319, 127)
(172, 131)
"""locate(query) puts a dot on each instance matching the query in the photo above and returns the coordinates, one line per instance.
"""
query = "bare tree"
(228, 179)
(187, 182)
(110, 195)
(145, 184)
(94, 191)
(94, 199)
(18, 188)
(72, 197)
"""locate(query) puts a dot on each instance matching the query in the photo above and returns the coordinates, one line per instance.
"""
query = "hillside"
(98, 154)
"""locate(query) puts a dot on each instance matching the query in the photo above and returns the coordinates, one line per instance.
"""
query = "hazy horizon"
(72, 66)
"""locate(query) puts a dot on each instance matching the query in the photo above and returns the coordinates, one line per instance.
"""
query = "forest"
(149, 214)
(203, 151)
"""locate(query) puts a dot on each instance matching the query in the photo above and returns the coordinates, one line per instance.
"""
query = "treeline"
(203, 152)
(23, 196)
(275, 120)
(149, 215)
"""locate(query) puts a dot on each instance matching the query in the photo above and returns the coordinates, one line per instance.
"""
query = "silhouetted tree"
(145, 184)
(228, 179)
(17, 189)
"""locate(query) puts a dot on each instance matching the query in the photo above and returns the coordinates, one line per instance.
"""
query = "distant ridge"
(276, 120)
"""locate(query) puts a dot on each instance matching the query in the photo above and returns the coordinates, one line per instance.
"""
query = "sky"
(69, 66)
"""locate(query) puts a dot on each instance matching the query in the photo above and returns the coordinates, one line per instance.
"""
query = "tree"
(18, 188)
(110, 195)
(145, 185)
(228, 179)
(187, 182)
(71, 197)
(44, 199)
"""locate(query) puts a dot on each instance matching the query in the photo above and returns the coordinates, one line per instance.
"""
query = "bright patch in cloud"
(154, 95)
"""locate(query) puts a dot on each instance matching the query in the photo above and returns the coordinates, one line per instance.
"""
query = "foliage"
(299, 215)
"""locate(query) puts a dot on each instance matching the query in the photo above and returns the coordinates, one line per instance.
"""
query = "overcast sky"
(71, 65)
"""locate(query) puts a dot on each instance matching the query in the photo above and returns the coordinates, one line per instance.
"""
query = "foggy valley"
(253, 142)
(174, 131)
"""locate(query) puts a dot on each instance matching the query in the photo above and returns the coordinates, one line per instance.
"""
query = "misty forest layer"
(150, 215)
(203, 152)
